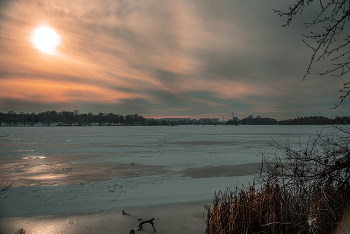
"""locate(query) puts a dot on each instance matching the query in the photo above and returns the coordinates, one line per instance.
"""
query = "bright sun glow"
(45, 39)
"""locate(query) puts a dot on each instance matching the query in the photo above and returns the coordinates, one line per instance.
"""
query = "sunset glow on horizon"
(157, 59)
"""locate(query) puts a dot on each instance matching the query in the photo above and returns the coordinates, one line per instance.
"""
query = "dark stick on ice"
(148, 221)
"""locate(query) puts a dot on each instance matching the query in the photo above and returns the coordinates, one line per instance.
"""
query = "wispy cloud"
(158, 58)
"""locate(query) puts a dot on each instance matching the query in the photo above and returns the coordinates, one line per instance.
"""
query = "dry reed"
(247, 210)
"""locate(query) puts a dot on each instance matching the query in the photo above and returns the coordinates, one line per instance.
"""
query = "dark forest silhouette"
(67, 118)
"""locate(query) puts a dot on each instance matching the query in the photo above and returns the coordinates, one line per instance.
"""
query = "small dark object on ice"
(132, 231)
(124, 213)
(148, 221)
(20, 231)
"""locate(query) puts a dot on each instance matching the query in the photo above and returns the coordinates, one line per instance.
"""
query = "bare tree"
(329, 36)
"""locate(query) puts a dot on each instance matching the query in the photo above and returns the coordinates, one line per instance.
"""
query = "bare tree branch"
(328, 37)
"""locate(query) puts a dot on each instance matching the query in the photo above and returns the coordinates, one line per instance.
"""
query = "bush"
(304, 190)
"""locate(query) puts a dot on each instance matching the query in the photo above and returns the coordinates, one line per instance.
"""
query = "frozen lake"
(60, 170)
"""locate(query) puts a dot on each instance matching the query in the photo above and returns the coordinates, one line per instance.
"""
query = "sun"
(45, 39)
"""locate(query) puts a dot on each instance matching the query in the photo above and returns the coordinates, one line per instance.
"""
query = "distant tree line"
(258, 121)
(315, 120)
(69, 118)
(82, 119)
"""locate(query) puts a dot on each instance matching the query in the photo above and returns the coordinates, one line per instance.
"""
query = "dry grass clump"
(274, 210)
(304, 190)
(247, 210)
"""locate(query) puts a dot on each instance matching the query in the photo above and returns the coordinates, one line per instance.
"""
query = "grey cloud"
(223, 65)
(19, 105)
(168, 99)
(5, 3)
(6, 74)
(200, 95)
(155, 19)
(123, 106)
(135, 106)
(169, 79)
(126, 90)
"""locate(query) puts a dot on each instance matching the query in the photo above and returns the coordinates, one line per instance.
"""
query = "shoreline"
(169, 219)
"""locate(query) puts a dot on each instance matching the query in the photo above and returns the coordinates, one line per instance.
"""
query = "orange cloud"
(56, 91)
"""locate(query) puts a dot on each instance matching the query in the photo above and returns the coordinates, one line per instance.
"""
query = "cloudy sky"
(190, 58)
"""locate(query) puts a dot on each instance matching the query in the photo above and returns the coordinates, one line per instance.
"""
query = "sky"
(184, 58)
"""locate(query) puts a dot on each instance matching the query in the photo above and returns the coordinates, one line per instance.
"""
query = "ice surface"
(157, 165)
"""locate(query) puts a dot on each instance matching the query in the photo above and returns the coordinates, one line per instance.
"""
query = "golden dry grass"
(273, 210)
